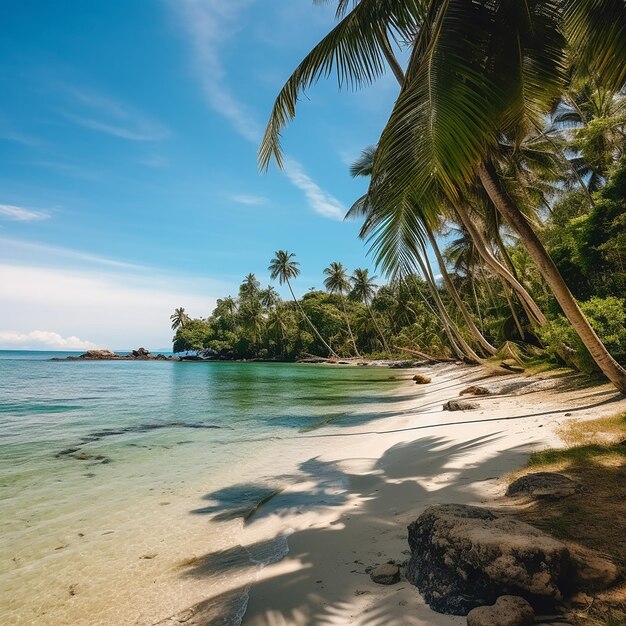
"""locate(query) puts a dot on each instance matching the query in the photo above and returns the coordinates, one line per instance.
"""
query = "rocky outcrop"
(507, 611)
(387, 574)
(140, 354)
(543, 485)
(460, 405)
(463, 557)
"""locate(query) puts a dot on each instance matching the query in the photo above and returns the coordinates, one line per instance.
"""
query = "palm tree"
(336, 282)
(593, 118)
(283, 267)
(179, 318)
(250, 287)
(425, 227)
(364, 290)
(269, 297)
(476, 71)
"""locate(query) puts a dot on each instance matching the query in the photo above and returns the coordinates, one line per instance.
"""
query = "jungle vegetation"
(503, 160)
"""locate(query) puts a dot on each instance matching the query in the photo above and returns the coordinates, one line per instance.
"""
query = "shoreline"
(386, 476)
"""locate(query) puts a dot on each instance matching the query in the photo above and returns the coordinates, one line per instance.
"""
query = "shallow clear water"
(97, 457)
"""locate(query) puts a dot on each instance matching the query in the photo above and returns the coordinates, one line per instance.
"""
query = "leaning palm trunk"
(505, 290)
(476, 334)
(511, 213)
(306, 317)
(476, 303)
(534, 312)
(345, 313)
(463, 350)
(380, 332)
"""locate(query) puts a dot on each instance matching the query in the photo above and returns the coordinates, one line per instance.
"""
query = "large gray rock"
(507, 611)
(543, 485)
(463, 557)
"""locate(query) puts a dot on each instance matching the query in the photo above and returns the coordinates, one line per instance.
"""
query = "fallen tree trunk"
(428, 357)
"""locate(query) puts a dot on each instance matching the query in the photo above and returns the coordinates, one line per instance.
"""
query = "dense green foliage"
(496, 203)
(356, 317)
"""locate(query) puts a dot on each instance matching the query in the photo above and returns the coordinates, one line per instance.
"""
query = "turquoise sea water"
(89, 448)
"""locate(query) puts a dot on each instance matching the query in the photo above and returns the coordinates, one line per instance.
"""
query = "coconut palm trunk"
(476, 334)
(462, 349)
(534, 312)
(378, 329)
(306, 317)
(345, 314)
(512, 214)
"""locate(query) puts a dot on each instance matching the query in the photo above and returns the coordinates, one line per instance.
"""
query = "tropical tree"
(364, 290)
(284, 268)
(337, 283)
(179, 318)
(424, 227)
(477, 70)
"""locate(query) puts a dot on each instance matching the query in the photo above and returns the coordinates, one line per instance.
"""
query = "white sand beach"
(369, 481)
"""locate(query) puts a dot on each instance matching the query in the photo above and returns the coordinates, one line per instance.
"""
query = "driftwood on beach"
(423, 355)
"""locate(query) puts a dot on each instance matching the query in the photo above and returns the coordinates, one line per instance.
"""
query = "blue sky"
(128, 175)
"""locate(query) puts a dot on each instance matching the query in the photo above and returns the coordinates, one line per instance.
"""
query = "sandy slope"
(376, 477)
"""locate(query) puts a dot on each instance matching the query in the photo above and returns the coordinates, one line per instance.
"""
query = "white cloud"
(20, 214)
(209, 24)
(114, 118)
(249, 199)
(320, 201)
(37, 339)
(117, 309)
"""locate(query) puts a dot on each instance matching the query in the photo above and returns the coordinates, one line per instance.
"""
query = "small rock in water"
(386, 574)
(475, 390)
(507, 611)
(420, 379)
(460, 405)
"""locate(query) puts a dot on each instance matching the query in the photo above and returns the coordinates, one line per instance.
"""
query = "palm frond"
(352, 50)
(596, 30)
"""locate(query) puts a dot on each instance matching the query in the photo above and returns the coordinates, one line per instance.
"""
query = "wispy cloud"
(209, 24)
(320, 201)
(29, 249)
(21, 138)
(43, 339)
(249, 199)
(20, 214)
(104, 114)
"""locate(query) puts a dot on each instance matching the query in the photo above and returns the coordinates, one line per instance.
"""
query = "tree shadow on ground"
(376, 505)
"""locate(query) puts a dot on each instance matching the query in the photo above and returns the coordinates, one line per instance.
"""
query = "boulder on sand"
(420, 379)
(460, 405)
(507, 611)
(463, 557)
(386, 574)
(543, 485)
(475, 390)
